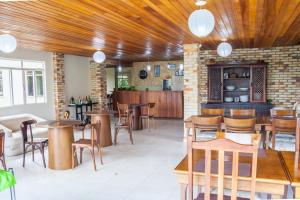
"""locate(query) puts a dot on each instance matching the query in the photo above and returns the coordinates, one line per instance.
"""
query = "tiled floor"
(143, 171)
(130, 172)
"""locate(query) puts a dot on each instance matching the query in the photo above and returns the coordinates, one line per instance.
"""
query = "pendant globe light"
(99, 57)
(201, 22)
(8, 43)
(224, 49)
(148, 65)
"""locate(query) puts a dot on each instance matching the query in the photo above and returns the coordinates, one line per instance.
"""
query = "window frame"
(24, 81)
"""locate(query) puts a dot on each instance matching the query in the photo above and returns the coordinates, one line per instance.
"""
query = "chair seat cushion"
(215, 196)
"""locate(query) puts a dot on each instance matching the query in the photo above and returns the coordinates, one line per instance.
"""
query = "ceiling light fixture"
(224, 49)
(119, 67)
(201, 22)
(148, 65)
(8, 43)
(99, 57)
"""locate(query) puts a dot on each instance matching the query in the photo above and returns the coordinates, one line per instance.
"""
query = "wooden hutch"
(247, 79)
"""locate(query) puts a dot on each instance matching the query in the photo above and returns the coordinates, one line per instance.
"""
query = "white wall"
(77, 77)
(45, 110)
(110, 77)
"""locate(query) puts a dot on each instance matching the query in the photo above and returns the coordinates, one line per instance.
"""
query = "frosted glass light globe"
(8, 43)
(99, 57)
(181, 67)
(201, 22)
(119, 68)
(148, 67)
(224, 49)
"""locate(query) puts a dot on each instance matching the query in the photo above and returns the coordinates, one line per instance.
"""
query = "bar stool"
(150, 115)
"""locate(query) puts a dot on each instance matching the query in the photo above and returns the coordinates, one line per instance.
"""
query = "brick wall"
(283, 73)
(98, 84)
(59, 84)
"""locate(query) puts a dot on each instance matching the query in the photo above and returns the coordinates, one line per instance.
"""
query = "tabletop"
(91, 113)
(58, 123)
(269, 166)
(292, 162)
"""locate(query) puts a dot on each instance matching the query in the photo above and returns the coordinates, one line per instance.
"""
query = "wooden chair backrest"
(2, 139)
(220, 145)
(96, 131)
(235, 125)
(150, 108)
(282, 112)
(212, 111)
(284, 125)
(206, 123)
(242, 112)
(122, 108)
(67, 115)
(24, 128)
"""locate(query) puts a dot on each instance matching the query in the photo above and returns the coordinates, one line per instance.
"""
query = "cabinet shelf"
(236, 78)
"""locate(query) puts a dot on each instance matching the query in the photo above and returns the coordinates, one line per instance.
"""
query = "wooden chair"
(220, 145)
(284, 126)
(212, 111)
(235, 125)
(89, 144)
(149, 116)
(127, 124)
(122, 111)
(81, 127)
(242, 112)
(35, 143)
(282, 112)
(2, 156)
(201, 123)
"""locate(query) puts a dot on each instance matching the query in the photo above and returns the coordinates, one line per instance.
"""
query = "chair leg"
(100, 154)
(148, 120)
(115, 137)
(43, 154)
(273, 140)
(130, 135)
(24, 152)
(3, 162)
(33, 148)
(73, 159)
(93, 157)
(81, 149)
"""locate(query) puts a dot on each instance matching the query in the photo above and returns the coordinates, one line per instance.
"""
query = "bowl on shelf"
(244, 98)
(230, 87)
(228, 99)
(244, 89)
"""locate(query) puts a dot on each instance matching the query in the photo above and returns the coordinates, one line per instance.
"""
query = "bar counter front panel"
(168, 104)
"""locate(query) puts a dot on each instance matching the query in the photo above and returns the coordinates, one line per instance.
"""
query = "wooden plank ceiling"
(130, 30)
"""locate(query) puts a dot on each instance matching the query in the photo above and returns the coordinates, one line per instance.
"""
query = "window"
(21, 82)
(123, 81)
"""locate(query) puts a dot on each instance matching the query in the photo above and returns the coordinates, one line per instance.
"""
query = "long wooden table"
(271, 176)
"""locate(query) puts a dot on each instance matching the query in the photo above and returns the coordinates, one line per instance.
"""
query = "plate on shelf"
(244, 89)
(228, 99)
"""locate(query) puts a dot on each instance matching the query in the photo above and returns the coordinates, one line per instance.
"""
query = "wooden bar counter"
(61, 137)
(168, 104)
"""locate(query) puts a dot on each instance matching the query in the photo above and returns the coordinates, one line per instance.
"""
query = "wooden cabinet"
(236, 81)
(168, 104)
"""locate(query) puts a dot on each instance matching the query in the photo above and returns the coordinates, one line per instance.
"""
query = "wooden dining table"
(270, 179)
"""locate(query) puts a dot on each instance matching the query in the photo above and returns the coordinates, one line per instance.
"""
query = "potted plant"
(7, 180)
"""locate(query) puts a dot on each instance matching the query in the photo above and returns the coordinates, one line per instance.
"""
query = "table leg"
(183, 188)
(297, 192)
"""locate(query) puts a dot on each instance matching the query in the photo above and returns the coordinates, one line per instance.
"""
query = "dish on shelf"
(228, 99)
(244, 89)
(230, 87)
(244, 98)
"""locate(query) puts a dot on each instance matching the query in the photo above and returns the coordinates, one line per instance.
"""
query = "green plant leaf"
(7, 180)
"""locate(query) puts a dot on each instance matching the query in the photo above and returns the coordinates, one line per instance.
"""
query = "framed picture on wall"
(156, 70)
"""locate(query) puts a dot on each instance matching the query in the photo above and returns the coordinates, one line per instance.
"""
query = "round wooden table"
(103, 117)
(60, 139)
(137, 112)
